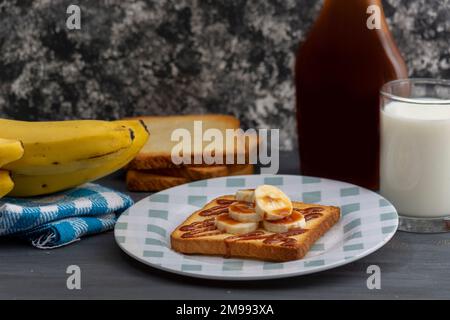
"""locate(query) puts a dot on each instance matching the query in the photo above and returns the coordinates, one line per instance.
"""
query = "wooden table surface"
(413, 266)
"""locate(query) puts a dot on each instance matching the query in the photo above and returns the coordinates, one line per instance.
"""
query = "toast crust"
(255, 248)
(194, 173)
(160, 179)
(138, 181)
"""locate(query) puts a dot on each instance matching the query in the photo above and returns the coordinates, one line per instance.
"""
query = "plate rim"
(231, 277)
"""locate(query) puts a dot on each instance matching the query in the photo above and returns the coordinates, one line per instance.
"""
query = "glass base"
(424, 225)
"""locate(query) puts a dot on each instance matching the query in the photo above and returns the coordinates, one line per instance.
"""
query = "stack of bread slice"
(154, 169)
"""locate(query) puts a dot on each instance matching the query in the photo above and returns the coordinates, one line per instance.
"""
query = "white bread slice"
(156, 154)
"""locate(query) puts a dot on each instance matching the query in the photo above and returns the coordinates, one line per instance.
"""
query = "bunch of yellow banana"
(44, 157)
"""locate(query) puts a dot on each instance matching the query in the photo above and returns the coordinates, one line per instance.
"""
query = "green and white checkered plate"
(368, 221)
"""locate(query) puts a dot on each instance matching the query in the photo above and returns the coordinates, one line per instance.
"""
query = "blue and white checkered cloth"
(62, 218)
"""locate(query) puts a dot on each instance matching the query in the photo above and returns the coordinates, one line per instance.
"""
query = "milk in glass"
(415, 158)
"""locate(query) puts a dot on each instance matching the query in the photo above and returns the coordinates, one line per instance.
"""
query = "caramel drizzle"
(225, 201)
(200, 229)
(222, 207)
(310, 213)
(214, 211)
(255, 235)
(283, 239)
(270, 238)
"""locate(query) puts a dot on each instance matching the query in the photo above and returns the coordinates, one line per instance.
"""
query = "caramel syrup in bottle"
(339, 71)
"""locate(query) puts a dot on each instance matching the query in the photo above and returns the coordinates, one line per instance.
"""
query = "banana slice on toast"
(272, 203)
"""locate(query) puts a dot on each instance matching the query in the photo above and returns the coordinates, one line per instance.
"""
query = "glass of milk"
(415, 152)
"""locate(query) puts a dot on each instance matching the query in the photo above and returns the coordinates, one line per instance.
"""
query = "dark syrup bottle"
(339, 71)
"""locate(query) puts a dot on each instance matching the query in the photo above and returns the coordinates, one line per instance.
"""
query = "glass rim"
(394, 97)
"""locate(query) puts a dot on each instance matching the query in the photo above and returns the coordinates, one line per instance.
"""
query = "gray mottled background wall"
(181, 56)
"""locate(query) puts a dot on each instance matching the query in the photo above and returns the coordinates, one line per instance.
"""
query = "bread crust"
(193, 173)
(160, 179)
(241, 169)
(138, 181)
(232, 120)
(255, 249)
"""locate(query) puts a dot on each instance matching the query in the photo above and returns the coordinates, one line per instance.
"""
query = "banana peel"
(59, 144)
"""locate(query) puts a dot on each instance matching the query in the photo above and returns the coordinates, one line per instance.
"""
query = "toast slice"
(241, 169)
(160, 179)
(198, 234)
(193, 173)
(140, 181)
(156, 154)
